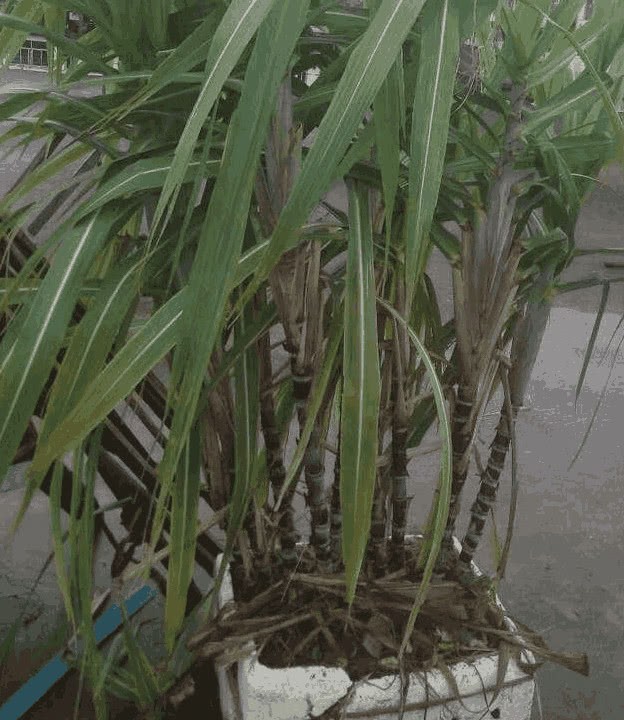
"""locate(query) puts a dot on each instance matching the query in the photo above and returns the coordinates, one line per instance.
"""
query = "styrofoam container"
(250, 690)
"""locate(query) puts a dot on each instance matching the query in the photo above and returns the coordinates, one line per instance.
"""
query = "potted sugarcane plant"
(202, 282)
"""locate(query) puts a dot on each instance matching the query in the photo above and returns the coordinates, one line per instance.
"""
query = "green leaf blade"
(183, 537)
(131, 364)
(361, 391)
(430, 125)
(221, 237)
(33, 354)
(238, 25)
(366, 70)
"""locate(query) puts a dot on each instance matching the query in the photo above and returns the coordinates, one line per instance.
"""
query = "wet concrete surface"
(565, 576)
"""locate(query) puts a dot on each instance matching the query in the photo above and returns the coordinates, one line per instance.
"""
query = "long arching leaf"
(183, 536)
(361, 391)
(221, 236)
(430, 123)
(118, 379)
(33, 355)
(85, 356)
(366, 70)
(237, 27)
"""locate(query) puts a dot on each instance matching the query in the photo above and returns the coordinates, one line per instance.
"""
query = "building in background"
(33, 55)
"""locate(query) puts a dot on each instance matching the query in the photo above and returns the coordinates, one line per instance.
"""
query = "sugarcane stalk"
(400, 499)
(526, 342)
(484, 281)
(298, 302)
(314, 471)
(399, 429)
(336, 513)
(314, 474)
(461, 436)
(302, 371)
(378, 556)
(313, 466)
(488, 489)
(275, 456)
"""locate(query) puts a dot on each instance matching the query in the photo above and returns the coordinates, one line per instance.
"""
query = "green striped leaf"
(92, 341)
(361, 391)
(182, 540)
(118, 379)
(27, 369)
(564, 14)
(561, 53)
(85, 357)
(389, 118)
(430, 124)
(142, 176)
(238, 25)
(221, 236)
(366, 70)
(575, 96)
(579, 44)
(20, 291)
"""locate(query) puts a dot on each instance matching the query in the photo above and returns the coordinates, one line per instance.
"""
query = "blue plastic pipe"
(38, 685)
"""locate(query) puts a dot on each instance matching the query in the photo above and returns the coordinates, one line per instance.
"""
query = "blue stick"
(38, 685)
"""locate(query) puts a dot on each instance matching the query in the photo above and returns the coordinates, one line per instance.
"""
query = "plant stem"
(303, 372)
(483, 290)
(527, 339)
(487, 490)
(379, 555)
(400, 499)
(336, 514)
(461, 433)
(314, 473)
(274, 455)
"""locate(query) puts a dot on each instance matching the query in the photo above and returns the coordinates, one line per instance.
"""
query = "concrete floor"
(565, 575)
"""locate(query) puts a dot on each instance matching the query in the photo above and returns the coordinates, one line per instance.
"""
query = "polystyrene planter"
(250, 690)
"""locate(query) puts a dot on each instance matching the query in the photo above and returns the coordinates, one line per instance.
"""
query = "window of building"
(33, 53)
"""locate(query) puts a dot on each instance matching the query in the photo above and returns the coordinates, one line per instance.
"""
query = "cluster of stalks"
(298, 291)
(491, 250)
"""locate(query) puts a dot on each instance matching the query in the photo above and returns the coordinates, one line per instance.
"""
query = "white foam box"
(250, 690)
